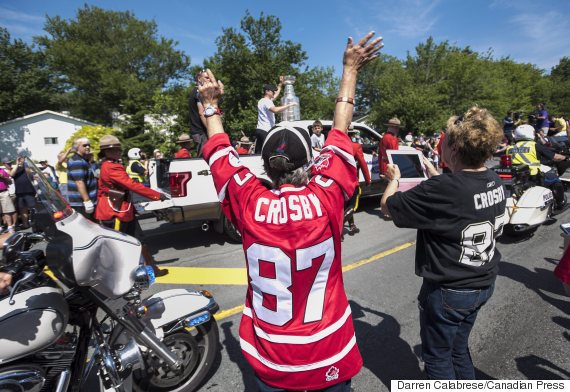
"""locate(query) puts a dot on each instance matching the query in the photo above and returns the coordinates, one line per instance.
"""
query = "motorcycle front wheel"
(197, 348)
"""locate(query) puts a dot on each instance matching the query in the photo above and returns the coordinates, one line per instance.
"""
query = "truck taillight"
(178, 183)
(506, 160)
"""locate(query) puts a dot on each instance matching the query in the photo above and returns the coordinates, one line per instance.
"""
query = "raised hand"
(355, 56)
(211, 90)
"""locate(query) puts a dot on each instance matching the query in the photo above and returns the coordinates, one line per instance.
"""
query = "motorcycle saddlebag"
(37, 319)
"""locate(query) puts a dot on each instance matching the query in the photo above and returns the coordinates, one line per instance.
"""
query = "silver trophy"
(292, 113)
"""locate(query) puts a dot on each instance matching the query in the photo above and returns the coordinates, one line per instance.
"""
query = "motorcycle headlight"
(144, 276)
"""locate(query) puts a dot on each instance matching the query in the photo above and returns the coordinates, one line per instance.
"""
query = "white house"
(42, 135)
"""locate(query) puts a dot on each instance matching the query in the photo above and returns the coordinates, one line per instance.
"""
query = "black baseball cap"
(293, 143)
(270, 87)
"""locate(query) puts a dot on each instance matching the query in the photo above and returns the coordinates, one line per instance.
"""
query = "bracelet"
(395, 179)
(345, 99)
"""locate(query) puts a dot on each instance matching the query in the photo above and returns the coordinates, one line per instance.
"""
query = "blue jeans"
(340, 387)
(446, 319)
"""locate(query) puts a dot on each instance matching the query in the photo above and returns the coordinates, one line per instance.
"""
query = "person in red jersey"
(389, 142)
(114, 207)
(296, 330)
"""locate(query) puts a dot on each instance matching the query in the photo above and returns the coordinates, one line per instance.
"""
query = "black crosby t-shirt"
(459, 217)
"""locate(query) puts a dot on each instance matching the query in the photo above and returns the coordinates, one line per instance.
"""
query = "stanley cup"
(292, 113)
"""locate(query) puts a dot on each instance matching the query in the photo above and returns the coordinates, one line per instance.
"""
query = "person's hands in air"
(356, 56)
(392, 172)
(5, 281)
(211, 90)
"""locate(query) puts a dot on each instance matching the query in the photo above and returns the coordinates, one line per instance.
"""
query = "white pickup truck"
(193, 196)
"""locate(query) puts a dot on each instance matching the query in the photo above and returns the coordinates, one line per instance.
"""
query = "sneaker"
(11, 229)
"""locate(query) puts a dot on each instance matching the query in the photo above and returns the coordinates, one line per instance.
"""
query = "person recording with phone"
(458, 217)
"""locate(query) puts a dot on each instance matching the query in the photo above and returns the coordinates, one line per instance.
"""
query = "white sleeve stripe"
(251, 350)
(222, 193)
(343, 154)
(220, 153)
(296, 339)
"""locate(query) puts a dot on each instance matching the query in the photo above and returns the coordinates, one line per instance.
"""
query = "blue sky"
(527, 31)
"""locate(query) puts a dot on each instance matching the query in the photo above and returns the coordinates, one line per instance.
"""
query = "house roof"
(57, 114)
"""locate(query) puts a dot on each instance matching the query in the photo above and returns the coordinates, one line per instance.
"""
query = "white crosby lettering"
(293, 207)
(477, 199)
(258, 217)
(306, 207)
(273, 212)
(489, 198)
(317, 203)
(283, 217)
(484, 199)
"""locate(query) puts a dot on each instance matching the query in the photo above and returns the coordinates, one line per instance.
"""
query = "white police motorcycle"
(83, 325)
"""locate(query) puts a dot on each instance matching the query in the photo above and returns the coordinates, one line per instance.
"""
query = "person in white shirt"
(317, 138)
(266, 110)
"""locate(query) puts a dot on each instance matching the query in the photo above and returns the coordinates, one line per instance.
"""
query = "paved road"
(522, 333)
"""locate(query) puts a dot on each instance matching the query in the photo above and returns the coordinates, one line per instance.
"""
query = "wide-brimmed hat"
(245, 140)
(292, 143)
(184, 138)
(109, 141)
(393, 122)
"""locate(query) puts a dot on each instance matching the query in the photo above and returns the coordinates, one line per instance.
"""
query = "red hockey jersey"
(296, 330)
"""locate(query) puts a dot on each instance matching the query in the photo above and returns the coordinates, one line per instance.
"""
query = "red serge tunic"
(359, 155)
(388, 142)
(296, 329)
(113, 175)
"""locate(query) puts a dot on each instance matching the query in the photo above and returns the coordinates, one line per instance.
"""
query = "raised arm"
(355, 57)
(211, 91)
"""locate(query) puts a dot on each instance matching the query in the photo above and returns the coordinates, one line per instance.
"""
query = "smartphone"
(565, 227)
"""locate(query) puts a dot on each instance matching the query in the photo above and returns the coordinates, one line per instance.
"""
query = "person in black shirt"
(459, 217)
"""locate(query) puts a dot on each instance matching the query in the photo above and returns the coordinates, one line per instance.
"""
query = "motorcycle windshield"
(49, 198)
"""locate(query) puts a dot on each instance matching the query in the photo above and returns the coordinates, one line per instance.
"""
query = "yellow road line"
(238, 309)
(238, 276)
(377, 256)
(192, 275)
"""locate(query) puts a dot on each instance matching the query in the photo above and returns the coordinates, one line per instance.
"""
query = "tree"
(26, 84)
(256, 54)
(111, 61)
(93, 133)
(560, 78)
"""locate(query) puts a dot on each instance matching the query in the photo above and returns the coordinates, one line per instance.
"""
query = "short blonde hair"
(475, 136)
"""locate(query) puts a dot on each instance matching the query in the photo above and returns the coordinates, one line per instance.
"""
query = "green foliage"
(256, 54)
(93, 133)
(560, 78)
(111, 61)
(440, 80)
(25, 83)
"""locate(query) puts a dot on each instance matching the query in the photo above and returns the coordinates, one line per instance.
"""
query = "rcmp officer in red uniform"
(114, 209)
